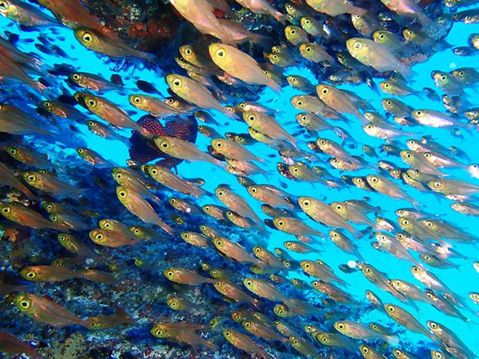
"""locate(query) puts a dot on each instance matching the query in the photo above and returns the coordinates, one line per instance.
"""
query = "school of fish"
(204, 260)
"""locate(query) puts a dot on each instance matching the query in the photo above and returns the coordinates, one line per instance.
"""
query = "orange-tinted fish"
(45, 311)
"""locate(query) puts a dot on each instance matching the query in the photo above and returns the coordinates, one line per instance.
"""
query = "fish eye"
(295, 341)
(415, 269)
(443, 78)
(254, 189)
(437, 184)
(364, 349)
(188, 51)
(99, 237)
(307, 265)
(227, 333)
(90, 123)
(87, 37)
(220, 53)
(388, 102)
(47, 104)
(247, 324)
(299, 102)
(288, 244)
(374, 179)
(357, 45)
(293, 79)
(339, 206)
(219, 144)
(54, 218)
(169, 273)
(249, 283)
(91, 102)
(252, 117)
(281, 223)
(31, 275)
(207, 208)
(391, 309)
(218, 242)
(221, 193)
(177, 83)
(386, 84)
(159, 332)
(76, 77)
(368, 270)
(304, 117)
(324, 91)
(154, 171)
(12, 151)
(308, 49)
(165, 145)
(25, 304)
(306, 203)
(122, 194)
(292, 31)
(136, 99)
(31, 178)
(341, 326)
(433, 325)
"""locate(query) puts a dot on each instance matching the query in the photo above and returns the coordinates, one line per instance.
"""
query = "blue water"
(462, 280)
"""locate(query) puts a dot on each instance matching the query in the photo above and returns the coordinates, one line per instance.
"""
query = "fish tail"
(276, 88)
(144, 132)
(165, 227)
(358, 11)
(280, 17)
(262, 40)
(210, 345)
